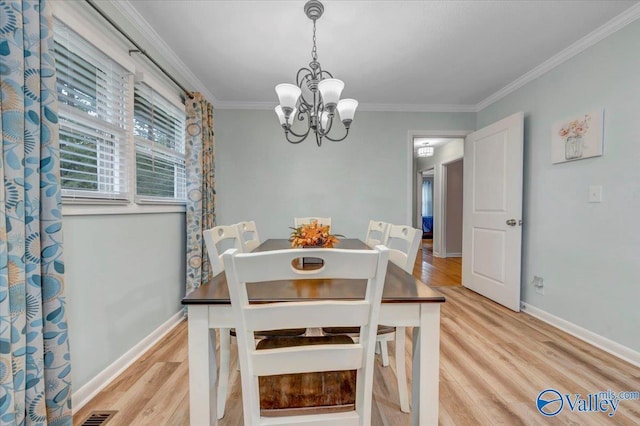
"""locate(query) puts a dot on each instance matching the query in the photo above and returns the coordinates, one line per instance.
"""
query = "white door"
(492, 211)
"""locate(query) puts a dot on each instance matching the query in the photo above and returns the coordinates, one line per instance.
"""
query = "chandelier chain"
(314, 51)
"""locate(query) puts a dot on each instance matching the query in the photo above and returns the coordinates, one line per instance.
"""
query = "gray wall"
(261, 177)
(124, 277)
(454, 209)
(588, 254)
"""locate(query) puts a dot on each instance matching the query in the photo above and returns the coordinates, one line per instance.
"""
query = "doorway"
(446, 150)
(437, 264)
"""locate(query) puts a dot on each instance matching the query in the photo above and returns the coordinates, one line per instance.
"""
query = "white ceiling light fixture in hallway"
(425, 151)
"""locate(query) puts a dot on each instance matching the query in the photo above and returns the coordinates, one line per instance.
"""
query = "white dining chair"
(248, 236)
(324, 221)
(216, 235)
(231, 236)
(377, 233)
(259, 368)
(212, 237)
(403, 242)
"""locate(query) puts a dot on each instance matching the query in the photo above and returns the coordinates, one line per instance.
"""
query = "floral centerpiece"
(313, 235)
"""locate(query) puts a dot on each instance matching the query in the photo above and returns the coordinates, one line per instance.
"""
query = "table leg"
(426, 366)
(401, 372)
(202, 367)
(225, 360)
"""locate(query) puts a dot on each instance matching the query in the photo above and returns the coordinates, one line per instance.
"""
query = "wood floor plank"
(452, 396)
(493, 364)
(161, 407)
(145, 389)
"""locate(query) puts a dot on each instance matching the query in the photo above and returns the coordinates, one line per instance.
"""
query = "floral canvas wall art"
(577, 138)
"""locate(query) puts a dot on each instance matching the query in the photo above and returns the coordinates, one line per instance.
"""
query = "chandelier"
(317, 106)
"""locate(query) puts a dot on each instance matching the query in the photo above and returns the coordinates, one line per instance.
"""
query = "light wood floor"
(493, 365)
(437, 271)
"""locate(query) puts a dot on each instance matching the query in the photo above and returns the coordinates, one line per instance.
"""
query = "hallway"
(437, 271)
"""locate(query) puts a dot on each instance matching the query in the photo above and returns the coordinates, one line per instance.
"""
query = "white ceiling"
(419, 55)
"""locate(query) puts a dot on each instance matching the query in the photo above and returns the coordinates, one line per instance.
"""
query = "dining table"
(406, 302)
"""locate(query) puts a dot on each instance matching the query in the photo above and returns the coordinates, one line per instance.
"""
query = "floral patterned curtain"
(35, 379)
(200, 187)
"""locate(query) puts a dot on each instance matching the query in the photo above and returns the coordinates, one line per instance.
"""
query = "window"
(94, 113)
(117, 140)
(160, 147)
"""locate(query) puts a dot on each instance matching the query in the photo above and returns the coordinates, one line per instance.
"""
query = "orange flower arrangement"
(313, 235)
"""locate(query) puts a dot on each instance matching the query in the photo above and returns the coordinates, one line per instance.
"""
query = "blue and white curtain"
(35, 379)
(201, 194)
(427, 197)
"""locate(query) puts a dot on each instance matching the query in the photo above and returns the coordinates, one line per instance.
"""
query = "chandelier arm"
(308, 72)
(301, 118)
(286, 135)
(338, 140)
(323, 72)
(303, 136)
(303, 107)
(304, 104)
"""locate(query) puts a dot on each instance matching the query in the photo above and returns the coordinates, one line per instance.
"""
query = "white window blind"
(160, 147)
(95, 116)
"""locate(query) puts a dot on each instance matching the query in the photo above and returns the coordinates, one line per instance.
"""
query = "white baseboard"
(581, 333)
(83, 395)
(454, 255)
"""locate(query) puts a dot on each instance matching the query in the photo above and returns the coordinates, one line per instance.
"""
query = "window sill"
(89, 210)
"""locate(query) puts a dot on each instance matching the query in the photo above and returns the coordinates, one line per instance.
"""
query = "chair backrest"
(212, 237)
(324, 221)
(248, 236)
(377, 233)
(403, 242)
(276, 265)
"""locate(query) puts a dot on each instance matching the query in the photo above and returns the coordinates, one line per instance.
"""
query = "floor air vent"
(98, 418)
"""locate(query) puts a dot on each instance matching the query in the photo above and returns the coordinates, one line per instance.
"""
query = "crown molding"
(615, 24)
(246, 105)
(417, 108)
(361, 107)
(153, 38)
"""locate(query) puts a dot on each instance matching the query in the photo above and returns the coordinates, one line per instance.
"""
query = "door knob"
(512, 222)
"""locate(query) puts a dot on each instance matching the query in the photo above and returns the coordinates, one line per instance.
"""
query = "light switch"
(595, 194)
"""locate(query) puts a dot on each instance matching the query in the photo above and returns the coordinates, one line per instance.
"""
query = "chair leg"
(384, 352)
(223, 377)
(401, 373)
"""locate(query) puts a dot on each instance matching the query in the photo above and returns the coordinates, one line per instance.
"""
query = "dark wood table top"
(399, 286)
